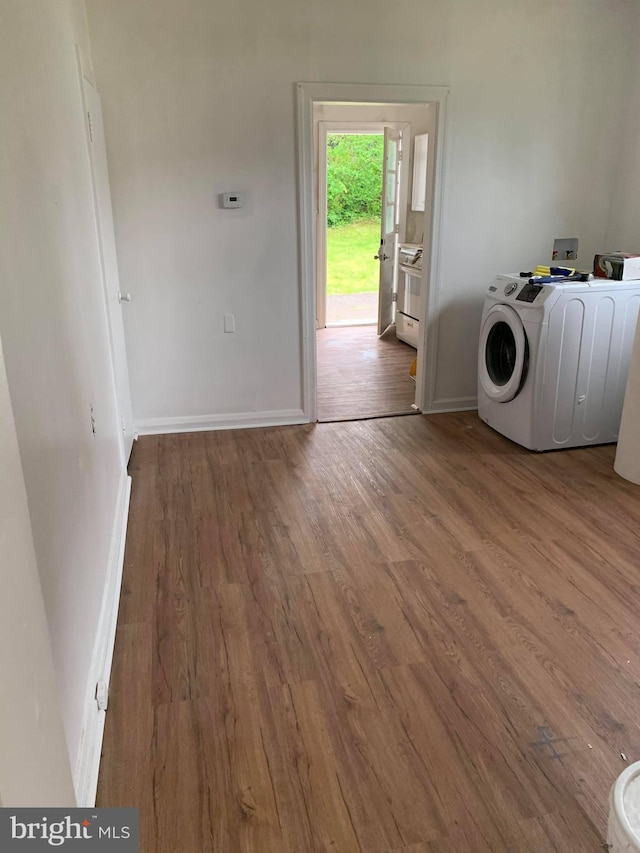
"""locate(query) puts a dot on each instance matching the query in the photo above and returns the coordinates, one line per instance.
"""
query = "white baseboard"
(85, 778)
(451, 404)
(243, 420)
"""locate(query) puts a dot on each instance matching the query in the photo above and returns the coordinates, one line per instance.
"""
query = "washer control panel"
(529, 292)
(512, 288)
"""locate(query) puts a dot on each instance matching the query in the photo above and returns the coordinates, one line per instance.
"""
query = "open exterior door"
(389, 226)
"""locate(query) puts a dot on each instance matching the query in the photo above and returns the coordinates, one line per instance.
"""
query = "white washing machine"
(553, 360)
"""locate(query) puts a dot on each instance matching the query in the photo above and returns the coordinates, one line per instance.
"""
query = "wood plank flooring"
(361, 375)
(390, 635)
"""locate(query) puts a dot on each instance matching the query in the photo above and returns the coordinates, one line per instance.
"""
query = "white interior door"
(107, 244)
(389, 226)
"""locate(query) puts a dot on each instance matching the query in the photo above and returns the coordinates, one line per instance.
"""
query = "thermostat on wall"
(231, 199)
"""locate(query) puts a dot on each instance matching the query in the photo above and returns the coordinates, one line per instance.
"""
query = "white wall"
(53, 329)
(34, 766)
(623, 233)
(199, 98)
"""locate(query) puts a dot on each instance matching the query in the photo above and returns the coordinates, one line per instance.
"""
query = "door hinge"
(394, 297)
(90, 122)
(124, 426)
(102, 695)
(397, 229)
(400, 154)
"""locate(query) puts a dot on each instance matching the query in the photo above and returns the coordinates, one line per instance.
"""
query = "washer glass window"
(501, 353)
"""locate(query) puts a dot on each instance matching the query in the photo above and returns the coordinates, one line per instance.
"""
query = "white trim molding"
(202, 423)
(309, 94)
(88, 764)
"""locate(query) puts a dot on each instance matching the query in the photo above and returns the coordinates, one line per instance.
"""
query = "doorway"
(312, 100)
(364, 369)
(353, 190)
(350, 173)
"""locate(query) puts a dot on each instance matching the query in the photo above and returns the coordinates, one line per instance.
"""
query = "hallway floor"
(404, 634)
(361, 375)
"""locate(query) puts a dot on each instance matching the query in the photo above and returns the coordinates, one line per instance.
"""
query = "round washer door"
(502, 356)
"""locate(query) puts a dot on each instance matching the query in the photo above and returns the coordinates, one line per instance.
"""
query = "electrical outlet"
(102, 695)
(229, 323)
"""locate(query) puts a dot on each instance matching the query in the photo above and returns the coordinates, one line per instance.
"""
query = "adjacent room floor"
(390, 635)
(361, 375)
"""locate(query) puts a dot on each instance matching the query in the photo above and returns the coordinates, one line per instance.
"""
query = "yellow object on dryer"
(557, 270)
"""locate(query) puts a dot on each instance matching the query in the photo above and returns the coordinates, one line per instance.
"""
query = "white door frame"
(348, 127)
(309, 94)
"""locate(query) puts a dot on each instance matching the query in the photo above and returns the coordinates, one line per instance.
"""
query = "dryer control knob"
(509, 288)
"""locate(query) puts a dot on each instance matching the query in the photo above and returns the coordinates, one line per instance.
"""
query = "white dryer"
(553, 360)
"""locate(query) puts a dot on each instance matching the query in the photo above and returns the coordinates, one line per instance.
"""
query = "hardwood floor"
(361, 375)
(392, 635)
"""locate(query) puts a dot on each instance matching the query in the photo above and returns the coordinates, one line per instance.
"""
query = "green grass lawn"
(350, 264)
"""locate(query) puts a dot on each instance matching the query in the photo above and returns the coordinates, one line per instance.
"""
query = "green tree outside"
(354, 177)
(354, 190)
